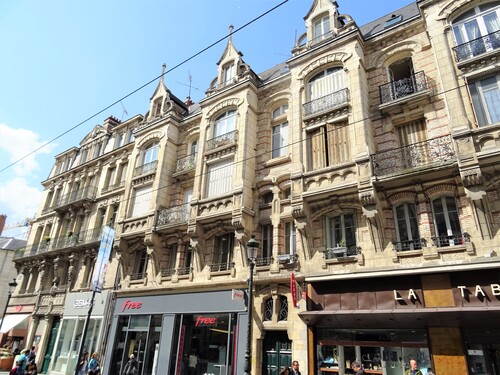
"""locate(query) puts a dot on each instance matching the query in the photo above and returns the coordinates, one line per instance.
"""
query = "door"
(277, 352)
(50, 344)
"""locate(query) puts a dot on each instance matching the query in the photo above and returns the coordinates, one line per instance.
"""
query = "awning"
(12, 320)
(470, 317)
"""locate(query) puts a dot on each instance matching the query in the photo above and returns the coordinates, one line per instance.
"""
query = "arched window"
(225, 123)
(326, 82)
(477, 31)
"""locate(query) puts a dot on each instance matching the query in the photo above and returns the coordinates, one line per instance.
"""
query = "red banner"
(293, 289)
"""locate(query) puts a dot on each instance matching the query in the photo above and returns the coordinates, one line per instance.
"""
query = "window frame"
(225, 123)
(225, 169)
(411, 243)
(142, 207)
(321, 27)
(483, 111)
(332, 241)
(447, 213)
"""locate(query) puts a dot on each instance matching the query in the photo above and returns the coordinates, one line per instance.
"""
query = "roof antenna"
(124, 110)
(190, 77)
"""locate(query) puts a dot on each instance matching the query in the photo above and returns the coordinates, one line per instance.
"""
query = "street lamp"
(252, 251)
(12, 286)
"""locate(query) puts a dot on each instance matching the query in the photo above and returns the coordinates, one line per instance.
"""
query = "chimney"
(110, 123)
(188, 101)
(3, 219)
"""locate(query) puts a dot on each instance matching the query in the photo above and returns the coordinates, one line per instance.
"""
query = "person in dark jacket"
(358, 370)
(131, 367)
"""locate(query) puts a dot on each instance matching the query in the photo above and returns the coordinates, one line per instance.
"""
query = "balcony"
(223, 140)
(330, 102)
(476, 47)
(431, 153)
(457, 239)
(144, 169)
(221, 267)
(262, 262)
(404, 89)
(70, 240)
(173, 215)
(186, 163)
(76, 197)
(112, 187)
(409, 245)
(168, 272)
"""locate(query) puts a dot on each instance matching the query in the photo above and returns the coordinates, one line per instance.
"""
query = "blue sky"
(65, 60)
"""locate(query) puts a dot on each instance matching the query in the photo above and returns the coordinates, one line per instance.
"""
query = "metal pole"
(248, 355)
(84, 332)
(5, 309)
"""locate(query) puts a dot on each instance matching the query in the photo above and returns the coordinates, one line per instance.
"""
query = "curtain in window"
(280, 140)
(142, 199)
(491, 95)
(327, 82)
(220, 178)
(492, 22)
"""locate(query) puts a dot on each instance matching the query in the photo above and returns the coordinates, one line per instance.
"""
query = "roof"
(11, 243)
(375, 27)
(275, 72)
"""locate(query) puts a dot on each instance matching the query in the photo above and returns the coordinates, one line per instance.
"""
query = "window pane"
(220, 178)
(142, 199)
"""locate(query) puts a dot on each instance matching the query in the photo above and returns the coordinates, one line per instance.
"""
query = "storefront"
(15, 326)
(447, 322)
(65, 354)
(196, 333)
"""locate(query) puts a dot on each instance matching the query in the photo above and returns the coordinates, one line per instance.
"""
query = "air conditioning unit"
(283, 259)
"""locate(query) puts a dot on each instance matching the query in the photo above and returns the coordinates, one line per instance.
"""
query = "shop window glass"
(374, 348)
(207, 340)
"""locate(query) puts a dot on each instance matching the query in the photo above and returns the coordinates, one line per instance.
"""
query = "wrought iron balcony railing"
(340, 252)
(259, 262)
(168, 272)
(85, 194)
(327, 102)
(145, 169)
(62, 242)
(394, 90)
(221, 267)
(452, 240)
(186, 163)
(175, 214)
(477, 46)
(409, 245)
(182, 271)
(222, 140)
(429, 153)
(138, 276)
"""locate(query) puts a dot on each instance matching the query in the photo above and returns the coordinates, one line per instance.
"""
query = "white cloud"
(19, 199)
(18, 143)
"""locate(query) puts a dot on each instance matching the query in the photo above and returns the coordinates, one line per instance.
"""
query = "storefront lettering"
(128, 305)
(479, 290)
(411, 295)
(205, 321)
(79, 303)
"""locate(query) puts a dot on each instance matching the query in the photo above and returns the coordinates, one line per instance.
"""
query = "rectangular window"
(141, 201)
(227, 73)
(267, 241)
(120, 137)
(219, 178)
(321, 28)
(280, 140)
(290, 238)
(329, 145)
(223, 253)
(446, 222)
(407, 233)
(486, 100)
(110, 181)
(341, 231)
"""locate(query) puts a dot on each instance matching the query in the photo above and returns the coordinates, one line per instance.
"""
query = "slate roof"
(11, 243)
(376, 27)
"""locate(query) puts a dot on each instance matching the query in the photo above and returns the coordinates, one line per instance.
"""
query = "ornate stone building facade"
(366, 167)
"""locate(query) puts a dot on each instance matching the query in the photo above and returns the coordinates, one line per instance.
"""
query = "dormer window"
(321, 28)
(157, 108)
(394, 20)
(227, 72)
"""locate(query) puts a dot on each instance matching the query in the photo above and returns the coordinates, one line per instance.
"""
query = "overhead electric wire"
(145, 85)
